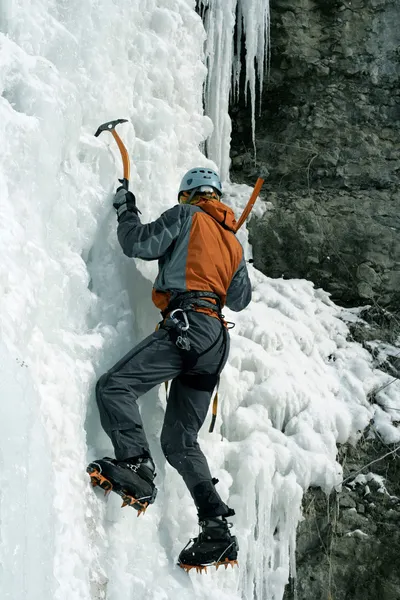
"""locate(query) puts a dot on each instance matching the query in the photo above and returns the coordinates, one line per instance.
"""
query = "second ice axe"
(250, 204)
(110, 126)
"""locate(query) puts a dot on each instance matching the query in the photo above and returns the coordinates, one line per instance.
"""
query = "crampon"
(203, 568)
(97, 479)
(214, 547)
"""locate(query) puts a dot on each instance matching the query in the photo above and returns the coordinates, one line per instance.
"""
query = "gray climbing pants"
(155, 360)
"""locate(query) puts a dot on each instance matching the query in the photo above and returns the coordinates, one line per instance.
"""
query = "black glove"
(124, 201)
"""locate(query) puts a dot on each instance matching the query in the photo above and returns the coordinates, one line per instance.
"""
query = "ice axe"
(110, 126)
(250, 204)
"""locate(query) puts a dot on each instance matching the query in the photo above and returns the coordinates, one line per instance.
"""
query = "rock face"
(348, 546)
(328, 142)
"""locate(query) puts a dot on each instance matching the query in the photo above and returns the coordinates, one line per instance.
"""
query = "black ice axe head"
(110, 126)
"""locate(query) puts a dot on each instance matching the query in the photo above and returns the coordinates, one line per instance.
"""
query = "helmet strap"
(192, 195)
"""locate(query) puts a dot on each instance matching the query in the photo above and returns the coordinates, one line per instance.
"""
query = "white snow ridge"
(71, 305)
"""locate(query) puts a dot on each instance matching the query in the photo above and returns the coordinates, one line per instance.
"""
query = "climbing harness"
(190, 300)
(178, 329)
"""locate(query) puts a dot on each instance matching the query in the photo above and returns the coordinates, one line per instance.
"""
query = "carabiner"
(181, 327)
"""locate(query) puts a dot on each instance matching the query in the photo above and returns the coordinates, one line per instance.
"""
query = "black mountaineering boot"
(208, 502)
(132, 479)
(215, 546)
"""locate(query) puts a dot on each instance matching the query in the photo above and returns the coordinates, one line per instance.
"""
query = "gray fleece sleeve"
(239, 291)
(152, 240)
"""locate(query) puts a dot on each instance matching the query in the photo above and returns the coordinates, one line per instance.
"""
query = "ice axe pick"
(110, 126)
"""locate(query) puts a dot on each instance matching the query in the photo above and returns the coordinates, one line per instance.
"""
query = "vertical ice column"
(223, 62)
(219, 22)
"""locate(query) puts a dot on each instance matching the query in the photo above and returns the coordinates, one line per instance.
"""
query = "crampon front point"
(203, 568)
(97, 479)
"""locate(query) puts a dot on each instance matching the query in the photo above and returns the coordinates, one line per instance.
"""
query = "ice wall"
(64, 69)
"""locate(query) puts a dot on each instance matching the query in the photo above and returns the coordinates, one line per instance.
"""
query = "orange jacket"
(196, 249)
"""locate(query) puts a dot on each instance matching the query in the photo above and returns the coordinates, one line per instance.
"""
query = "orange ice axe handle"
(110, 126)
(250, 204)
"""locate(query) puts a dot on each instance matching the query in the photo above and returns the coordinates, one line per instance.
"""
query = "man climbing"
(201, 269)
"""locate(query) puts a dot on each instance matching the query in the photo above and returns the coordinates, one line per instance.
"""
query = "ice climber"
(201, 269)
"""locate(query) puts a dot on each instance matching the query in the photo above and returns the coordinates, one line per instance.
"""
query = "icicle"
(237, 63)
(255, 17)
(224, 65)
(219, 22)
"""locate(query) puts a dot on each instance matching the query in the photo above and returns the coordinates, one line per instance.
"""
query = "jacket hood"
(219, 212)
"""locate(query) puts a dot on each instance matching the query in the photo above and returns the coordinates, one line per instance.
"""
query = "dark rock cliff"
(348, 543)
(328, 141)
